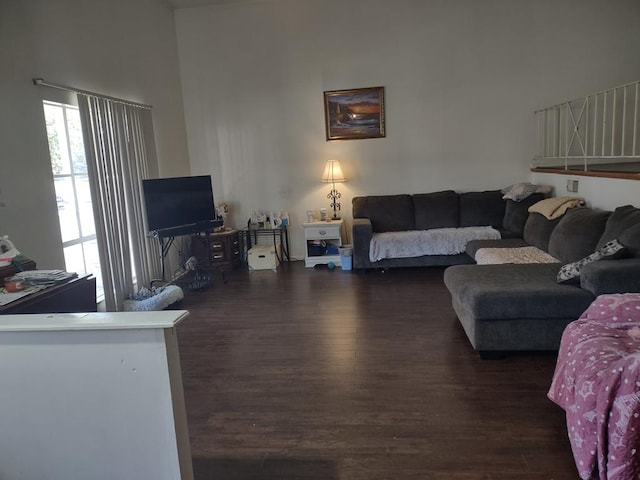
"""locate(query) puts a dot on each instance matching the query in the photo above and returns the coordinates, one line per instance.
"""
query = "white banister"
(624, 117)
(635, 121)
(595, 129)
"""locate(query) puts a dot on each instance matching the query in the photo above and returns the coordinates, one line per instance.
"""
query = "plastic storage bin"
(346, 257)
(263, 257)
(316, 248)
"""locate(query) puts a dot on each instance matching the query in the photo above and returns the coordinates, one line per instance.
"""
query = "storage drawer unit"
(219, 250)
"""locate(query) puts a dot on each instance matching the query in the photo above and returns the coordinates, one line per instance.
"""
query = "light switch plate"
(572, 186)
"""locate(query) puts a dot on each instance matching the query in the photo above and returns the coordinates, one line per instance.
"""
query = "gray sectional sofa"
(508, 307)
(523, 307)
(436, 210)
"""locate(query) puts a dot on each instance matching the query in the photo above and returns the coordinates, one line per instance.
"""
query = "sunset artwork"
(356, 113)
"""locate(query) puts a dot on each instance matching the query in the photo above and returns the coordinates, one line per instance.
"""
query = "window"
(73, 193)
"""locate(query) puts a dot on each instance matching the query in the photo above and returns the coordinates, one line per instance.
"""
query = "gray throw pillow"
(570, 273)
(630, 238)
(520, 191)
(481, 209)
(577, 234)
(436, 210)
(538, 229)
(516, 213)
(620, 220)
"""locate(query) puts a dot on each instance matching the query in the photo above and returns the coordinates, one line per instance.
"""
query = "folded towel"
(555, 207)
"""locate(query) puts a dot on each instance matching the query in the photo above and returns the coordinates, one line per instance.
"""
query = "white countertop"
(91, 321)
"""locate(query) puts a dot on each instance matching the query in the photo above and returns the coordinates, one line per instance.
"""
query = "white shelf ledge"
(47, 322)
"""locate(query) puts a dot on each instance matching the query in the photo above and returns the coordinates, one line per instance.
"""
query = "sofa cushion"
(577, 233)
(611, 276)
(630, 238)
(620, 220)
(436, 210)
(388, 213)
(516, 213)
(538, 229)
(570, 273)
(481, 209)
(474, 245)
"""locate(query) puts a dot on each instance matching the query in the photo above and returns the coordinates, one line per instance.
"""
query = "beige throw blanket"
(416, 243)
(493, 256)
(556, 206)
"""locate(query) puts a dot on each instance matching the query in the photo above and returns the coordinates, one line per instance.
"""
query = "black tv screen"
(179, 201)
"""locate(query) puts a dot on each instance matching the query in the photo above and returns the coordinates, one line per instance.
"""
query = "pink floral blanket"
(597, 383)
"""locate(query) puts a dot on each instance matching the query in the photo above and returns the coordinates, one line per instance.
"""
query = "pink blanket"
(597, 383)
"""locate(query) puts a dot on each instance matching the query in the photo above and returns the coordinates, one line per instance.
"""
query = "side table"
(279, 236)
(331, 232)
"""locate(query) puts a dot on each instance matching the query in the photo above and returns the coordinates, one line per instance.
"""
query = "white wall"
(462, 80)
(121, 48)
(603, 193)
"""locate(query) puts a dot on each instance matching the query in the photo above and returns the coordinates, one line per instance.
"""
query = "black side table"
(280, 236)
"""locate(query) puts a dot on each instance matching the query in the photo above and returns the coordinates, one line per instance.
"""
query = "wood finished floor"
(318, 374)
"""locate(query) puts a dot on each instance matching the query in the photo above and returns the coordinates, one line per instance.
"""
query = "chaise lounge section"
(524, 307)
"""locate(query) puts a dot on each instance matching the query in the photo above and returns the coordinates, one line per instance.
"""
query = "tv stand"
(166, 236)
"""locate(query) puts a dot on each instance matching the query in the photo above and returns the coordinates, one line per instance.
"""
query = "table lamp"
(333, 174)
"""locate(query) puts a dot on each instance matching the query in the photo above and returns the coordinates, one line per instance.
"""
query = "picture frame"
(355, 113)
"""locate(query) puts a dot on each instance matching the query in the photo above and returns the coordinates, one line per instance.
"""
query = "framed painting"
(355, 113)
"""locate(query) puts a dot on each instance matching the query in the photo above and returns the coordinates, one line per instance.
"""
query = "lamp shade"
(333, 173)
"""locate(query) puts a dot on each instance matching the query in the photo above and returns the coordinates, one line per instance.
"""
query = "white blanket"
(160, 299)
(436, 241)
(492, 256)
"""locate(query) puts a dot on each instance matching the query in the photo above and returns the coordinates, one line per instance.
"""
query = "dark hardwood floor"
(319, 374)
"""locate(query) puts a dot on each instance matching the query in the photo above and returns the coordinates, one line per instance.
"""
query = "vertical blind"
(119, 151)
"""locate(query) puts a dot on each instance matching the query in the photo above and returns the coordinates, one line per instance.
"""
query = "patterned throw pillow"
(570, 273)
(520, 191)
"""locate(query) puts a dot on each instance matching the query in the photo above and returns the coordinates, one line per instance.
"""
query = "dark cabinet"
(76, 295)
(217, 250)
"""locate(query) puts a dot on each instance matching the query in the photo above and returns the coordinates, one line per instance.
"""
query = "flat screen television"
(180, 205)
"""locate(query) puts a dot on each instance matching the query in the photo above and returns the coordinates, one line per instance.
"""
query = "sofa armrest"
(361, 234)
(611, 276)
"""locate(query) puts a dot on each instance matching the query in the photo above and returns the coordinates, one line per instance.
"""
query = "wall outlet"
(572, 186)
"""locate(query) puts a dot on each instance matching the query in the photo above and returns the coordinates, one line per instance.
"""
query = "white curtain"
(119, 146)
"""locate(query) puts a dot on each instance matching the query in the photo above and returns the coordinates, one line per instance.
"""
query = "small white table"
(332, 232)
(93, 395)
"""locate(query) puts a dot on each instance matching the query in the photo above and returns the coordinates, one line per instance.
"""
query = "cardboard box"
(263, 257)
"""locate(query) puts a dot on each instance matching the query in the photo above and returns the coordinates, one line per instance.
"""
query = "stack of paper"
(45, 277)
